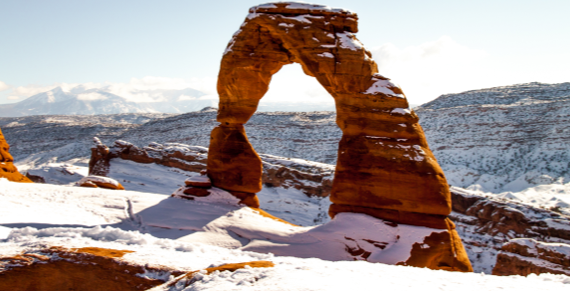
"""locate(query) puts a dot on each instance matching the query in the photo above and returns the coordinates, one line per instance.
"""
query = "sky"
(429, 48)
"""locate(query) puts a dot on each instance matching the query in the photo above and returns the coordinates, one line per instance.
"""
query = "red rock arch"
(385, 167)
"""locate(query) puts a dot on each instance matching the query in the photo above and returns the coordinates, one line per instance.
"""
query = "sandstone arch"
(385, 167)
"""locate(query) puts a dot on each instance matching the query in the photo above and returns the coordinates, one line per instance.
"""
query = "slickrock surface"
(384, 169)
(523, 256)
(7, 168)
(90, 268)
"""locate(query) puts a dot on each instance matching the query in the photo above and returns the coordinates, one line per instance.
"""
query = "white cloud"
(3, 86)
(430, 69)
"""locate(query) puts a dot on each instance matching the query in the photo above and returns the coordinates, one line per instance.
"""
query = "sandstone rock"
(523, 256)
(99, 162)
(198, 192)
(233, 164)
(189, 278)
(311, 178)
(198, 181)
(88, 184)
(90, 268)
(7, 168)
(486, 223)
(99, 181)
(187, 158)
(382, 144)
(384, 162)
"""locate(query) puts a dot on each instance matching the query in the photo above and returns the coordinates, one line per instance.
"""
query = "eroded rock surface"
(7, 168)
(90, 268)
(384, 163)
(524, 256)
(311, 178)
(100, 182)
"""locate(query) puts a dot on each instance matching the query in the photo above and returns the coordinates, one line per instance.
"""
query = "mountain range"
(83, 101)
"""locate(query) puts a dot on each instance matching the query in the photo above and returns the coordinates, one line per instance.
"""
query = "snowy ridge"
(503, 139)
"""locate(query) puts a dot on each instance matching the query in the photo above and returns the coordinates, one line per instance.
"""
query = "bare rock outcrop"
(100, 182)
(89, 268)
(385, 168)
(7, 168)
(489, 224)
(311, 178)
(523, 256)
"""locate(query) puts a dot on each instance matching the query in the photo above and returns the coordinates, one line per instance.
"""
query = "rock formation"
(7, 168)
(190, 277)
(100, 182)
(523, 256)
(311, 178)
(385, 168)
(89, 268)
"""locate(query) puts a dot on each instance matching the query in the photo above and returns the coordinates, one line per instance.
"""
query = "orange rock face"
(7, 168)
(385, 167)
(90, 268)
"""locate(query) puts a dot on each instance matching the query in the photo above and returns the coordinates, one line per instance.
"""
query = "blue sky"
(428, 47)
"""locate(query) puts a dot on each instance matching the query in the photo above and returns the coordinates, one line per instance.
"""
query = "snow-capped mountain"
(82, 101)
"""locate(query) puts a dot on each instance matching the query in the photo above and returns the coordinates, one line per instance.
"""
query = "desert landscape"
(467, 191)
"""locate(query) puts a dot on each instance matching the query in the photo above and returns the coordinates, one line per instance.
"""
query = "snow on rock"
(78, 269)
(384, 86)
(198, 181)
(184, 250)
(503, 139)
(523, 256)
(362, 186)
(99, 181)
(401, 111)
(486, 222)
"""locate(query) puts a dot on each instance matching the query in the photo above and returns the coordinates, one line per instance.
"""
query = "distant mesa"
(385, 168)
(7, 168)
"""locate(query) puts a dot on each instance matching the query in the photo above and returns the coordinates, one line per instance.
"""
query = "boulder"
(7, 168)
(89, 268)
(99, 181)
(384, 162)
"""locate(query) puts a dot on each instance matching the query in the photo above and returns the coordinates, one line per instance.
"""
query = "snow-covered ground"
(192, 235)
